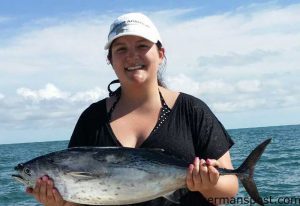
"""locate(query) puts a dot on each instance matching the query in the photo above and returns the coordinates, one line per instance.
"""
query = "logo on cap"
(122, 27)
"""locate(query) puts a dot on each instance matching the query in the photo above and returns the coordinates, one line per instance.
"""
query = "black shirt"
(190, 130)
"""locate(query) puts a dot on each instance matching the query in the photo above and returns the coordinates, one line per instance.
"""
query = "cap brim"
(146, 36)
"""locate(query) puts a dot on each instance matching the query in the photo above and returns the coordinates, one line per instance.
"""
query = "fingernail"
(208, 161)
(203, 163)
(191, 167)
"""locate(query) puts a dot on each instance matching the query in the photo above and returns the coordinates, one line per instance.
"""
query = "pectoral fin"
(175, 196)
(80, 174)
(172, 197)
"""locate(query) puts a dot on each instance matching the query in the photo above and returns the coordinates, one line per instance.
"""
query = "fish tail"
(246, 170)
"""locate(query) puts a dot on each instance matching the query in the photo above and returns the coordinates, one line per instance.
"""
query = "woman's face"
(135, 59)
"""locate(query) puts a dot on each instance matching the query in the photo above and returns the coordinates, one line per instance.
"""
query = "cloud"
(242, 105)
(273, 19)
(235, 59)
(51, 92)
(57, 51)
(239, 61)
(243, 95)
(216, 87)
(235, 44)
(89, 96)
(48, 93)
(46, 107)
(249, 86)
(184, 82)
(55, 47)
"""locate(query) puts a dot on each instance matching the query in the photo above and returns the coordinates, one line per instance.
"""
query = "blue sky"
(240, 57)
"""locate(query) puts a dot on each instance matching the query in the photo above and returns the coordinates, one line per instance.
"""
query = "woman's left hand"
(202, 175)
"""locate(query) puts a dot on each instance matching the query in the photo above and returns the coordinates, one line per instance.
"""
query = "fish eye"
(27, 171)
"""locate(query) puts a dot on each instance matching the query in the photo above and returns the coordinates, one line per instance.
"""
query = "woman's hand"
(202, 175)
(45, 193)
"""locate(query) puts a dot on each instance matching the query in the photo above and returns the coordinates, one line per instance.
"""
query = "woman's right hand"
(45, 193)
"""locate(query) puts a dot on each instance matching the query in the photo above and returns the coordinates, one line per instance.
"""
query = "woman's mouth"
(133, 68)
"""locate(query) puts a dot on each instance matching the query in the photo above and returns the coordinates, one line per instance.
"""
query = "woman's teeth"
(134, 68)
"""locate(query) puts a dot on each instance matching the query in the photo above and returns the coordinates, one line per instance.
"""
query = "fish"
(120, 175)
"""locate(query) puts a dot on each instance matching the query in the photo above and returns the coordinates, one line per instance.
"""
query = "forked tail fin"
(246, 170)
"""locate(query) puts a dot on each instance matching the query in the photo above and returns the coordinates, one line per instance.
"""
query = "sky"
(242, 58)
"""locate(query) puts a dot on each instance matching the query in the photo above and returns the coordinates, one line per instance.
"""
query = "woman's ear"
(161, 53)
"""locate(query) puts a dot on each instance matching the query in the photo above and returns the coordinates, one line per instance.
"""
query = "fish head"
(29, 172)
(25, 175)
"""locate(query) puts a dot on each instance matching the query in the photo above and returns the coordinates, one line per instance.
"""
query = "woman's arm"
(202, 176)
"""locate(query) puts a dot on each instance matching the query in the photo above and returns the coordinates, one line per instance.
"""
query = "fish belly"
(133, 187)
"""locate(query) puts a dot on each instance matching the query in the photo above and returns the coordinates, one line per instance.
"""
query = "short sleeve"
(85, 131)
(210, 137)
(78, 132)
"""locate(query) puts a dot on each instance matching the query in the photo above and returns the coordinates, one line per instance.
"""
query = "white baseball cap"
(136, 24)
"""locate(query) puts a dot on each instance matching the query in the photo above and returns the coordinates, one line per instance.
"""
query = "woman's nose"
(132, 54)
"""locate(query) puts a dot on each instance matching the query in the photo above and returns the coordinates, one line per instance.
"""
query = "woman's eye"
(121, 49)
(143, 46)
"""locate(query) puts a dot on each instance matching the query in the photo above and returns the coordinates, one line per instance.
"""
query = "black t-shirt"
(190, 130)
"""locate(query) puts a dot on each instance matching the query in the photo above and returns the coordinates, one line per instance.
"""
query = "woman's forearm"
(226, 188)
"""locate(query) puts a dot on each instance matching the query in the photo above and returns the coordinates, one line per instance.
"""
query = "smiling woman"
(138, 57)
(144, 34)
(143, 113)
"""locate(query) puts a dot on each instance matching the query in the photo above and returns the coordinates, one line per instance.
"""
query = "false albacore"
(118, 176)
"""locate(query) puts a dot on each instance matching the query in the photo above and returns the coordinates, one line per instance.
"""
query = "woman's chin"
(137, 77)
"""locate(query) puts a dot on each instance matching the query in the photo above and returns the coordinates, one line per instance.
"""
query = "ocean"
(277, 174)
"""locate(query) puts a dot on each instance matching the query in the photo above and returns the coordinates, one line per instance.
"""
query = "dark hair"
(159, 74)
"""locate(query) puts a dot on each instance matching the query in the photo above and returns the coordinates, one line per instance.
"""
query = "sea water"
(277, 174)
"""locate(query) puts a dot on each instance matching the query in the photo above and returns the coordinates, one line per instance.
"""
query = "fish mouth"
(19, 178)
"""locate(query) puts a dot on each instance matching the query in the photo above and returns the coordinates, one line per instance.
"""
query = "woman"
(143, 113)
